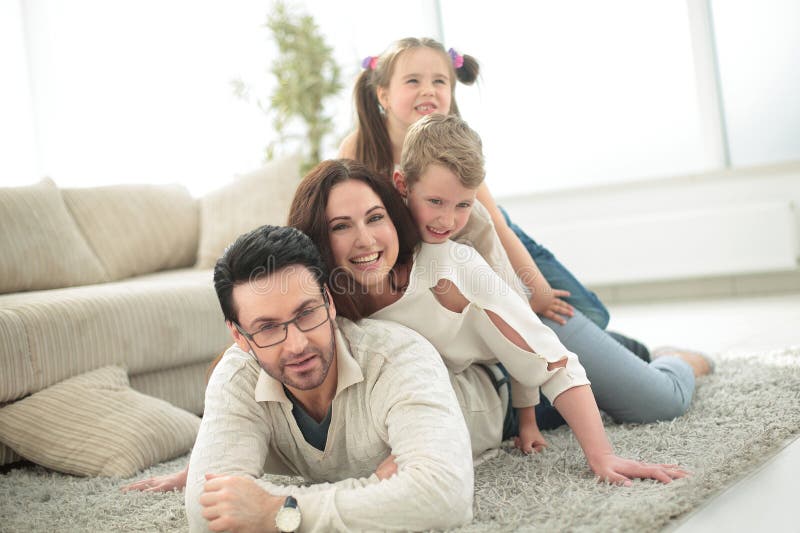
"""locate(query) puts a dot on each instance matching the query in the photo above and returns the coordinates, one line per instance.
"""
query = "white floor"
(769, 499)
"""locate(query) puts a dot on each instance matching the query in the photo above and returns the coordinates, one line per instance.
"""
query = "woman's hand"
(552, 306)
(387, 468)
(167, 483)
(612, 469)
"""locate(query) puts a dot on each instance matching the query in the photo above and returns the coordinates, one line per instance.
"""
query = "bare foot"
(701, 364)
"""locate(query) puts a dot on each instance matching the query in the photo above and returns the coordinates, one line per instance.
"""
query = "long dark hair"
(307, 214)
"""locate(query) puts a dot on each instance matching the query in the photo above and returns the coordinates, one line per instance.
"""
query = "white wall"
(726, 223)
(140, 90)
(17, 134)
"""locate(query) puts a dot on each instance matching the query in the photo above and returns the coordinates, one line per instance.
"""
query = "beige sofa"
(121, 275)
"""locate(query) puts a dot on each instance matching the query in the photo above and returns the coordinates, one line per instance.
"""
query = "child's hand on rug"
(167, 483)
(530, 439)
(612, 469)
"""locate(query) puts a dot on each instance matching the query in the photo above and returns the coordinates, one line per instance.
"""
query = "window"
(758, 46)
(578, 93)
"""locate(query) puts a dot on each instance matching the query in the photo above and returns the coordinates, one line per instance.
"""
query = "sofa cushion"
(249, 201)
(42, 247)
(137, 229)
(146, 323)
(96, 425)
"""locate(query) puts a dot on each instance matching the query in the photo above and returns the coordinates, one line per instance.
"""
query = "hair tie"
(458, 59)
(369, 62)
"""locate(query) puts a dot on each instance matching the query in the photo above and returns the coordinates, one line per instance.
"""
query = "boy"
(441, 168)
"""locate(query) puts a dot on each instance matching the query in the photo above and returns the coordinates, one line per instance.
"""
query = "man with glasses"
(364, 412)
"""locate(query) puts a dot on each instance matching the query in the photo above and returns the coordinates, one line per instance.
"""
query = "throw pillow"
(42, 246)
(250, 201)
(94, 424)
(137, 229)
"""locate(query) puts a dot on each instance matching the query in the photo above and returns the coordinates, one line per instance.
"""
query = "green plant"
(306, 76)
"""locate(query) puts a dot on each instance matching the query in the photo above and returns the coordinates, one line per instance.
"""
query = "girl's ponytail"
(373, 147)
(468, 72)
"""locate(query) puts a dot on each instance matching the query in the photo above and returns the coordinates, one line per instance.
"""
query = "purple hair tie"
(458, 59)
(369, 62)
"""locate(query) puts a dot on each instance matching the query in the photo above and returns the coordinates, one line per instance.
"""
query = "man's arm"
(234, 434)
(413, 403)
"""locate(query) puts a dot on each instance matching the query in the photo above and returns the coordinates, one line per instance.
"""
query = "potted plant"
(306, 75)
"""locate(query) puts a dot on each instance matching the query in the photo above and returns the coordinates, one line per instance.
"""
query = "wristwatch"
(288, 517)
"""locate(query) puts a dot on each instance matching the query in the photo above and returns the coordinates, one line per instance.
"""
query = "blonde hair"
(373, 146)
(445, 140)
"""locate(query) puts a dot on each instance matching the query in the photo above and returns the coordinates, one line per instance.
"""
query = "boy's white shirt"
(480, 233)
(469, 336)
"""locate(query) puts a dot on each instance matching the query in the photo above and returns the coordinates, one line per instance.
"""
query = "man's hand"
(612, 469)
(552, 306)
(167, 483)
(387, 468)
(239, 505)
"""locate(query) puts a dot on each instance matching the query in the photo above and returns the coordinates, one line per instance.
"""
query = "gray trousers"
(625, 387)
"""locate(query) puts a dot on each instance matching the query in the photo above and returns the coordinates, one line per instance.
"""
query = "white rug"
(742, 415)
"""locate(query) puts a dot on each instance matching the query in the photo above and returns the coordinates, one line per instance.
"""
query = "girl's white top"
(470, 336)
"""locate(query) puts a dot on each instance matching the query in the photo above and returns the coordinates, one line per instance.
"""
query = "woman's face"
(362, 236)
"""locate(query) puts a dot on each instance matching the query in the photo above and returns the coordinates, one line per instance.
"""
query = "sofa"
(122, 275)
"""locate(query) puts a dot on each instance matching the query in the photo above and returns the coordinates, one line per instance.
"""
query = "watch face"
(288, 519)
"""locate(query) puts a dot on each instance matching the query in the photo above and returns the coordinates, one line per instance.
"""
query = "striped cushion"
(250, 201)
(96, 425)
(137, 229)
(42, 247)
(146, 323)
(7, 455)
(182, 386)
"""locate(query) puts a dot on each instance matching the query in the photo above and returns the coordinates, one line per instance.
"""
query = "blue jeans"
(559, 277)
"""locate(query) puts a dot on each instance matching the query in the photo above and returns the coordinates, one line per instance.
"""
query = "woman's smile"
(363, 239)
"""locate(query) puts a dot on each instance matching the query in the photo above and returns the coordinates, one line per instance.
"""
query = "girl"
(352, 216)
(414, 78)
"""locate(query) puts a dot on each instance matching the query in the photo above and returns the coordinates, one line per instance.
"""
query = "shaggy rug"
(742, 415)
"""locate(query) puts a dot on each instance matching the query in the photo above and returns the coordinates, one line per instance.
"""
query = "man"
(365, 412)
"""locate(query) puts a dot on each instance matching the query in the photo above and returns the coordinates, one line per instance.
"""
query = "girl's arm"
(545, 300)
(347, 150)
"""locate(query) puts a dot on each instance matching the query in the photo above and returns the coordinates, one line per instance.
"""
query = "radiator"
(746, 239)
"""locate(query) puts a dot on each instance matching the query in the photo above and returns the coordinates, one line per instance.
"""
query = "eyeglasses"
(273, 334)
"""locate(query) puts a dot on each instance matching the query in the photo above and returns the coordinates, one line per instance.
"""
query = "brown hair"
(373, 146)
(307, 214)
(445, 140)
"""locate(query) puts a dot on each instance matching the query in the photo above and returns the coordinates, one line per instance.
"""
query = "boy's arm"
(578, 407)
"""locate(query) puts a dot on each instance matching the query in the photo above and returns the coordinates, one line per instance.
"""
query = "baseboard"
(709, 287)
